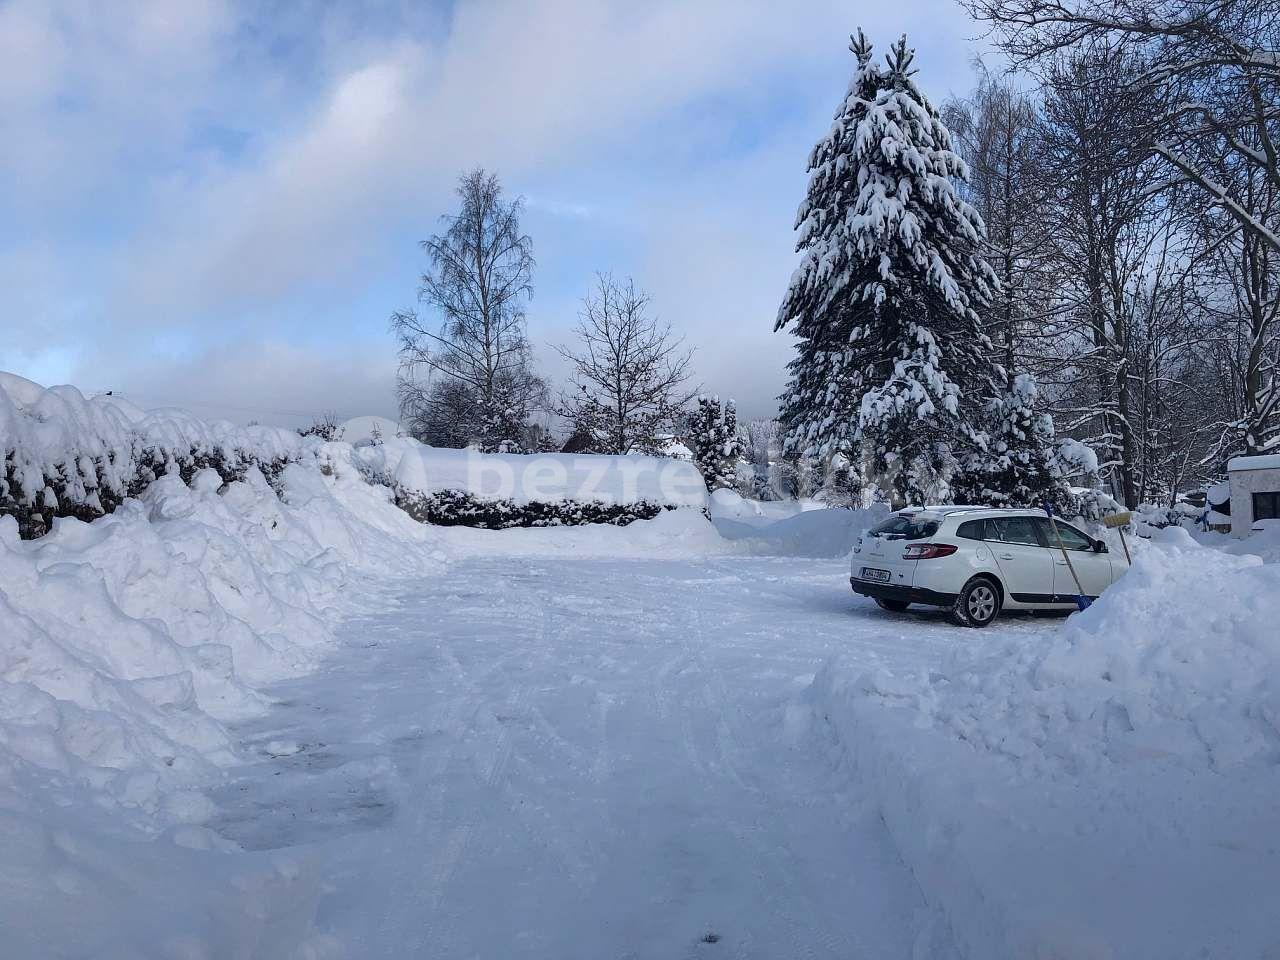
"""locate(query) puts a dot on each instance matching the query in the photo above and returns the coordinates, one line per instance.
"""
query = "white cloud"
(84, 88)
(517, 86)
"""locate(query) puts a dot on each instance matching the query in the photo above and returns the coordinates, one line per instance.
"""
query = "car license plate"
(871, 573)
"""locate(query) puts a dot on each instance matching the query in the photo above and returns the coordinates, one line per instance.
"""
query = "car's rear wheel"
(978, 604)
(897, 606)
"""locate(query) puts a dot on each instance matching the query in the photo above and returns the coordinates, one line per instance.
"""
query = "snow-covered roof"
(1267, 462)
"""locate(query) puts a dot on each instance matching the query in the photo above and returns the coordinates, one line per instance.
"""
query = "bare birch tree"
(466, 369)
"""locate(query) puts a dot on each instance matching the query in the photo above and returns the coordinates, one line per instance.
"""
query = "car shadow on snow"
(867, 609)
(833, 597)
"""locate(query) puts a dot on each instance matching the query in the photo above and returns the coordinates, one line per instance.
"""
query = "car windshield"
(905, 528)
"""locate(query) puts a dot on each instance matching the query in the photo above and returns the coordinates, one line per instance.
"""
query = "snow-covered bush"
(842, 486)
(468, 488)
(326, 427)
(67, 455)
(456, 508)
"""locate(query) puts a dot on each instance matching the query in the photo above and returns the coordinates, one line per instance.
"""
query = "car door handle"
(1006, 556)
(1061, 563)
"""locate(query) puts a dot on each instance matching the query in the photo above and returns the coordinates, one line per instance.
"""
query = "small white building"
(1255, 491)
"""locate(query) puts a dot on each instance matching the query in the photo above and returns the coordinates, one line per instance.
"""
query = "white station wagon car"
(976, 561)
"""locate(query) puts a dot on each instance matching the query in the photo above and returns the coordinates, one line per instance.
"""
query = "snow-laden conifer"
(1021, 466)
(892, 365)
(716, 447)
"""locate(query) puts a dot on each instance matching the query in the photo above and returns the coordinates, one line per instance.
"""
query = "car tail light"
(928, 551)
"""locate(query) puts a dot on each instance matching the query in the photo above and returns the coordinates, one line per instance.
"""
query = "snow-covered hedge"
(497, 491)
(1106, 789)
(67, 455)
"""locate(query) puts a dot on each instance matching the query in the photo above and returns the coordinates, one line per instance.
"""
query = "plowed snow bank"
(126, 642)
(1104, 790)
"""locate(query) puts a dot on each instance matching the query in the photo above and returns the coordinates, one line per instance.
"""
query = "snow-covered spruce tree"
(1021, 466)
(892, 365)
(716, 449)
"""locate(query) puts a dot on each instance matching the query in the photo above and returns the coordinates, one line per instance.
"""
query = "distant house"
(1255, 492)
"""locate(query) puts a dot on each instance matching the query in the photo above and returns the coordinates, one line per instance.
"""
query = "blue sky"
(219, 203)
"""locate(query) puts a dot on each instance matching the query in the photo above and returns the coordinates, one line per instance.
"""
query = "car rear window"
(904, 528)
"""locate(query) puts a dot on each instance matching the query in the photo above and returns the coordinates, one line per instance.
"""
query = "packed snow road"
(551, 757)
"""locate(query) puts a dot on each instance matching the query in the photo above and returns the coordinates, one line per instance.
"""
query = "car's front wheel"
(896, 606)
(978, 603)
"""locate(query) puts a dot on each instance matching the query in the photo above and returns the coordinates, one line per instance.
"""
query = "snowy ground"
(587, 758)
(538, 755)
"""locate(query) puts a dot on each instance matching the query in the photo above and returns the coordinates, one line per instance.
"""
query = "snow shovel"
(1118, 521)
(1082, 602)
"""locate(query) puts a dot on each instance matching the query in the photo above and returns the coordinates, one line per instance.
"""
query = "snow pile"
(129, 641)
(818, 532)
(1180, 660)
(726, 504)
(1263, 542)
(1102, 790)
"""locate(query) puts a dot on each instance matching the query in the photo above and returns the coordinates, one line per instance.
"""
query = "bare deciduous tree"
(1240, 298)
(997, 132)
(1108, 218)
(475, 356)
(629, 372)
(1211, 79)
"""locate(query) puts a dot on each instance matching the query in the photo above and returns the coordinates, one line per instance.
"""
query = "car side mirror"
(1099, 547)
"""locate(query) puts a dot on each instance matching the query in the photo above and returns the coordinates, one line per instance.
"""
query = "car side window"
(1072, 538)
(972, 530)
(1019, 530)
